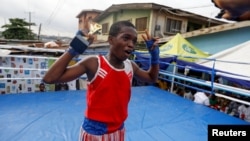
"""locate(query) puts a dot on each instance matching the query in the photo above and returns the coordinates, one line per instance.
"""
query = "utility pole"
(29, 24)
(29, 19)
(39, 31)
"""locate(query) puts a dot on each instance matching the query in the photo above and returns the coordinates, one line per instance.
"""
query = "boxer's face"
(122, 45)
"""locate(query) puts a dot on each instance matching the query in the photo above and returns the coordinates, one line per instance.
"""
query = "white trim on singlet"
(127, 68)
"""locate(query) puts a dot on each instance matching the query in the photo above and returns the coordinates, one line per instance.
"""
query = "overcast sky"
(58, 17)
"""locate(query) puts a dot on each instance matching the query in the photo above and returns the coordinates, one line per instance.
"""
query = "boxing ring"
(154, 115)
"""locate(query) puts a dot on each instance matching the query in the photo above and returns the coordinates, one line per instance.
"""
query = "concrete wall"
(216, 42)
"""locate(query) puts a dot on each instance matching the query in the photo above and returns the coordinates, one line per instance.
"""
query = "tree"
(18, 29)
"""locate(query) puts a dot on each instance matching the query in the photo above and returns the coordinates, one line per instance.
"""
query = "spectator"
(233, 108)
(241, 110)
(42, 87)
(247, 114)
(213, 102)
(244, 112)
(201, 98)
(180, 92)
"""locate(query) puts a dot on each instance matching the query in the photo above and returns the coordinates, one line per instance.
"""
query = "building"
(85, 16)
(160, 20)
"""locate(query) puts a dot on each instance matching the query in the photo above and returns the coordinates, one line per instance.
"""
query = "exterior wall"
(126, 15)
(134, 14)
(84, 19)
(216, 42)
(184, 25)
(109, 19)
(159, 18)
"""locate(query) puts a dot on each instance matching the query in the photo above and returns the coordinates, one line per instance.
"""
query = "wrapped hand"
(153, 47)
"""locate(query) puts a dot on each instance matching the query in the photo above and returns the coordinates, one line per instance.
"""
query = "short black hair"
(116, 27)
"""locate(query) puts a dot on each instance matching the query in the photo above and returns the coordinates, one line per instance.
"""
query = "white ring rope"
(25, 48)
(32, 78)
(28, 78)
(233, 99)
(208, 83)
(23, 56)
(204, 83)
(216, 85)
(10, 68)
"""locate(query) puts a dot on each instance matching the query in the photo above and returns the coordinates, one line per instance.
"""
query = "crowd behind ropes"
(202, 95)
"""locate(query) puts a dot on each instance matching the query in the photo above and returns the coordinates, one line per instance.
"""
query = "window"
(173, 26)
(141, 24)
(105, 28)
(193, 26)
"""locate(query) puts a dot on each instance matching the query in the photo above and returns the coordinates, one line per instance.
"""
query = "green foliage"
(18, 29)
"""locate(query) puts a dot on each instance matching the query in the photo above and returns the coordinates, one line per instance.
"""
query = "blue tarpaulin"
(154, 115)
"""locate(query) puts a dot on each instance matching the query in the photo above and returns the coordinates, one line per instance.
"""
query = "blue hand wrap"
(78, 45)
(154, 53)
(72, 52)
(79, 32)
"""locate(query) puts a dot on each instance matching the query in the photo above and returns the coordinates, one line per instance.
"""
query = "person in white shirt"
(244, 112)
(201, 98)
(241, 111)
(247, 114)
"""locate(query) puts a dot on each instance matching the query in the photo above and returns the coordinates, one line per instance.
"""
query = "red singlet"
(108, 94)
